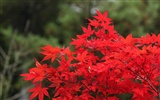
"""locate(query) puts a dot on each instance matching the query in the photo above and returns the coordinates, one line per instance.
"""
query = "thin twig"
(150, 84)
(2, 52)
(6, 66)
(18, 95)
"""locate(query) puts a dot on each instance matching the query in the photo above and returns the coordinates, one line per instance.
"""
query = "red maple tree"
(103, 66)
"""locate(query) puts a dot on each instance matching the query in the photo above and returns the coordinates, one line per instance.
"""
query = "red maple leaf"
(29, 76)
(36, 74)
(94, 23)
(39, 91)
(50, 52)
(87, 32)
(129, 40)
(102, 17)
(78, 42)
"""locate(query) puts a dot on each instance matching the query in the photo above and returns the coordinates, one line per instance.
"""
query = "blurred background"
(27, 25)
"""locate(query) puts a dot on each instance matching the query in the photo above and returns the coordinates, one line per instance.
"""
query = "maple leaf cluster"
(102, 66)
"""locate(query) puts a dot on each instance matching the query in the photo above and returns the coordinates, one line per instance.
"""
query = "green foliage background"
(26, 25)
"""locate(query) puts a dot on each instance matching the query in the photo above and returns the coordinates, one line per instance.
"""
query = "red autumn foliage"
(102, 66)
